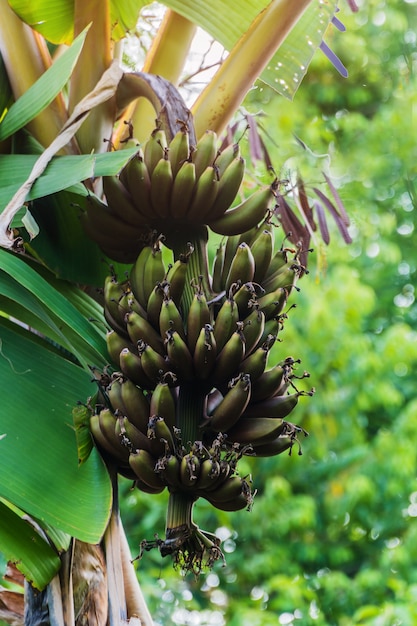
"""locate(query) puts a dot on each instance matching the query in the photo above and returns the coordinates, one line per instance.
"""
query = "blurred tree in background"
(332, 536)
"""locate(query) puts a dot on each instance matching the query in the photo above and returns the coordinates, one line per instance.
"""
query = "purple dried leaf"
(267, 158)
(338, 200)
(334, 59)
(255, 146)
(289, 220)
(338, 24)
(333, 211)
(353, 6)
(321, 218)
(303, 199)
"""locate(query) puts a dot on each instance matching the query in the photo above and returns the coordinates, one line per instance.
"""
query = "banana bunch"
(170, 186)
(193, 388)
(222, 346)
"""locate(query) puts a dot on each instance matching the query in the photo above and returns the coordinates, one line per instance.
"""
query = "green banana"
(229, 358)
(143, 464)
(189, 470)
(169, 468)
(272, 448)
(273, 303)
(163, 403)
(113, 296)
(262, 248)
(137, 275)
(243, 216)
(170, 318)
(204, 152)
(109, 231)
(217, 284)
(209, 473)
(102, 442)
(255, 363)
(285, 277)
(228, 187)
(249, 431)
(226, 322)
(225, 157)
(277, 406)
(121, 203)
(134, 438)
(154, 149)
(107, 422)
(204, 195)
(253, 329)
(179, 356)
(182, 191)
(232, 406)
(177, 275)
(205, 353)
(279, 259)
(231, 488)
(115, 344)
(114, 393)
(136, 404)
(132, 367)
(179, 150)
(198, 316)
(155, 300)
(136, 178)
(229, 254)
(155, 270)
(160, 433)
(161, 188)
(242, 266)
(140, 329)
(244, 295)
(234, 504)
(270, 382)
(153, 363)
(139, 484)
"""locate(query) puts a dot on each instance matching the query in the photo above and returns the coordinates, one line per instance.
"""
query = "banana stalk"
(166, 57)
(224, 94)
(95, 58)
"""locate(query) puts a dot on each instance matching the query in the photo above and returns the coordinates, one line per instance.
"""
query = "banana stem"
(190, 410)
(226, 91)
(180, 512)
(166, 57)
(95, 59)
(197, 264)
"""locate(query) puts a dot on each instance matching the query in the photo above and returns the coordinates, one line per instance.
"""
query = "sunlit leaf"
(39, 448)
(46, 88)
(55, 20)
(74, 332)
(61, 173)
(227, 21)
(23, 545)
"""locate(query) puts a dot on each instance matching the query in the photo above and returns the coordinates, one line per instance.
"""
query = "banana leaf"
(37, 97)
(23, 545)
(225, 20)
(39, 467)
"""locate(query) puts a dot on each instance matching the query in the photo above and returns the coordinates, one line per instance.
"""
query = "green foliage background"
(332, 536)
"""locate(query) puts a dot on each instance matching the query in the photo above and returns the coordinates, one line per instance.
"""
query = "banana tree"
(76, 129)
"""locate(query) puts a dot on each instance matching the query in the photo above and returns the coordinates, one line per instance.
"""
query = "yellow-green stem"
(225, 92)
(95, 58)
(190, 412)
(180, 511)
(197, 264)
(166, 57)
